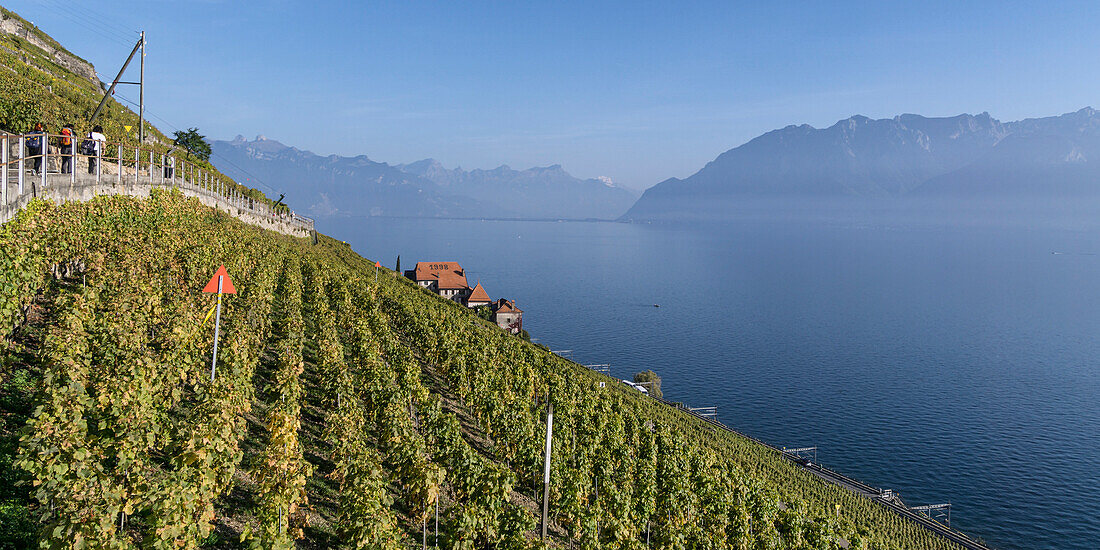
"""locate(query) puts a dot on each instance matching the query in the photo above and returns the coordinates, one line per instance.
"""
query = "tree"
(194, 142)
(398, 268)
(651, 380)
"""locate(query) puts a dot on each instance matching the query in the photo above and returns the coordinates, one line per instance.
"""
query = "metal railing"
(33, 164)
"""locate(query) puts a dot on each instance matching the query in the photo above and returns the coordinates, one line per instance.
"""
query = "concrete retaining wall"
(60, 188)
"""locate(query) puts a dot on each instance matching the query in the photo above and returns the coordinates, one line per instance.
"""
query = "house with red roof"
(478, 297)
(507, 316)
(447, 279)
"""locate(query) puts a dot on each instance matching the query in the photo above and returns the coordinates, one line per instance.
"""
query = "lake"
(951, 356)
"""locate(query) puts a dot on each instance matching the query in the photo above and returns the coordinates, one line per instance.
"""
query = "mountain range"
(965, 156)
(541, 192)
(908, 155)
(335, 185)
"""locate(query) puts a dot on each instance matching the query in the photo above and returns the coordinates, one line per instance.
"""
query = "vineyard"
(347, 411)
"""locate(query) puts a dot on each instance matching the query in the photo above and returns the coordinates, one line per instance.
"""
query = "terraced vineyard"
(344, 412)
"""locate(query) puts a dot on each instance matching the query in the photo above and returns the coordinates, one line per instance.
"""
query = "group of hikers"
(37, 142)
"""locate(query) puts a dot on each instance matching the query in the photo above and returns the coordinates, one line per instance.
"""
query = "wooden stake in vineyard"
(221, 284)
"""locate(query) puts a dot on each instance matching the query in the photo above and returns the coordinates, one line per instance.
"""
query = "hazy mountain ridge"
(905, 155)
(336, 185)
(1044, 157)
(539, 192)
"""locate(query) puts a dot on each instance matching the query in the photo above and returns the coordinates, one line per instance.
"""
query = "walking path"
(137, 177)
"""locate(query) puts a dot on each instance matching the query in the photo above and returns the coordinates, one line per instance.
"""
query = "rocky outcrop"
(12, 24)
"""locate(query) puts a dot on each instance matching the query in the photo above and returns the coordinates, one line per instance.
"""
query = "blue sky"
(635, 91)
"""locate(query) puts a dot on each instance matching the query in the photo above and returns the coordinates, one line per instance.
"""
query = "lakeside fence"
(65, 174)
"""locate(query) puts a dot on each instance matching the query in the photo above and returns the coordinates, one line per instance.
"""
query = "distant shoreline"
(483, 219)
(877, 209)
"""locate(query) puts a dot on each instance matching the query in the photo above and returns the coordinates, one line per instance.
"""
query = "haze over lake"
(948, 354)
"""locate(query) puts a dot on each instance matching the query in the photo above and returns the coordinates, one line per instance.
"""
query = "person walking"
(67, 149)
(36, 140)
(170, 161)
(93, 147)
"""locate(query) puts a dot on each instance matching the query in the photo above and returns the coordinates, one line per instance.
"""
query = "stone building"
(507, 316)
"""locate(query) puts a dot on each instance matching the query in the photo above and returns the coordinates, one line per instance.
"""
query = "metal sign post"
(4, 175)
(546, 466)
(45, 137)
(217, 328)
(221, 284)
(21, 166)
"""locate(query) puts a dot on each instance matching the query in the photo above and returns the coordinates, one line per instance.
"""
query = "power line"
(103, 32)
(107, 23)
(103, 27)
(93, 30)
(251, 176)
(89, 19)
(131, 102)
(84, 22)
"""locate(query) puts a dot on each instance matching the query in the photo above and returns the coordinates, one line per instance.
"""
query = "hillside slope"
(44, 82)
(342, 413)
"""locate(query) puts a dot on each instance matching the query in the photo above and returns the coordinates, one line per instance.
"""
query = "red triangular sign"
(377, 264)
(227, 283)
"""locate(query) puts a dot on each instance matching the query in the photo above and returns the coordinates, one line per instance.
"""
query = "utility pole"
(139, 46)
(141, 98)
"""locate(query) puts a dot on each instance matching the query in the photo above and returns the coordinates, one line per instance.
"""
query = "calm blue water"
(952, 361)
